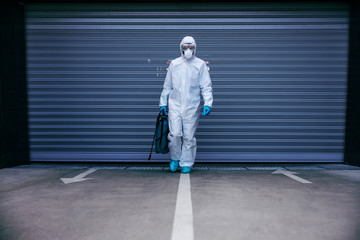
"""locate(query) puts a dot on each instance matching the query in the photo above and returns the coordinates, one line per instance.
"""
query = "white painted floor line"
(296, 178)
(79, 178)
(183, 219)
(291, 175)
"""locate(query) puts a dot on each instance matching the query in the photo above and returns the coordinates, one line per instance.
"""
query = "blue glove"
(164, 108)
(206, 111)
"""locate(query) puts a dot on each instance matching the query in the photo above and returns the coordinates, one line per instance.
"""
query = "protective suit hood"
(187, 40)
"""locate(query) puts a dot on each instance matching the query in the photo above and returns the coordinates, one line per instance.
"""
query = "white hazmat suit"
(186, 78)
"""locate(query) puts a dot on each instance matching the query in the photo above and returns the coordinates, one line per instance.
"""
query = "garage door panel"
(279, 72)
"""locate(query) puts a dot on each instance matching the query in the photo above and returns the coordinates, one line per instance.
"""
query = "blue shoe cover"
(174, 165)
(185, 170)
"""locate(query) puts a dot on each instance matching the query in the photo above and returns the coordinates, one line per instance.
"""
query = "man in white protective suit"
(187, 78)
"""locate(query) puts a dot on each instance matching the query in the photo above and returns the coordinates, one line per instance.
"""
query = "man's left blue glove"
(206, 111)
(164, 108)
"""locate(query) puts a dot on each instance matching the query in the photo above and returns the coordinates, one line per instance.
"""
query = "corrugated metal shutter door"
(95, 74)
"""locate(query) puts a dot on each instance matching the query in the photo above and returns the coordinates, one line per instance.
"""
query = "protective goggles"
(186, 46)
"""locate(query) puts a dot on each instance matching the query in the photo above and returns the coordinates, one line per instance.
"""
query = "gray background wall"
(13, 119)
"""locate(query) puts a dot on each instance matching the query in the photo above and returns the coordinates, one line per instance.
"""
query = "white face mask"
(188, 53)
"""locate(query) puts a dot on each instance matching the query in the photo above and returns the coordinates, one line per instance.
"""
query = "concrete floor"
(138, 202)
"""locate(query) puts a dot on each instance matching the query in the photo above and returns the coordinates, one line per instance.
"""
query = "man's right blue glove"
(206, 111)
(164, 108)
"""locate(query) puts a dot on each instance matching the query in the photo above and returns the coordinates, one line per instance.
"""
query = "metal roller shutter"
(279, 71)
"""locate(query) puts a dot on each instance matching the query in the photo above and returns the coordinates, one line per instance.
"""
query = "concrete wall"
(352, 140)
(13, 98)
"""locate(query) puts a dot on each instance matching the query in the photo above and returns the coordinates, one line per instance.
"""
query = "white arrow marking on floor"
(291, 175)
(79, 177)
(183, 220)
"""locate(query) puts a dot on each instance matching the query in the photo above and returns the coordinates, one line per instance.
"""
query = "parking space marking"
(183, 219)
(291, 175)
(79, 178)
